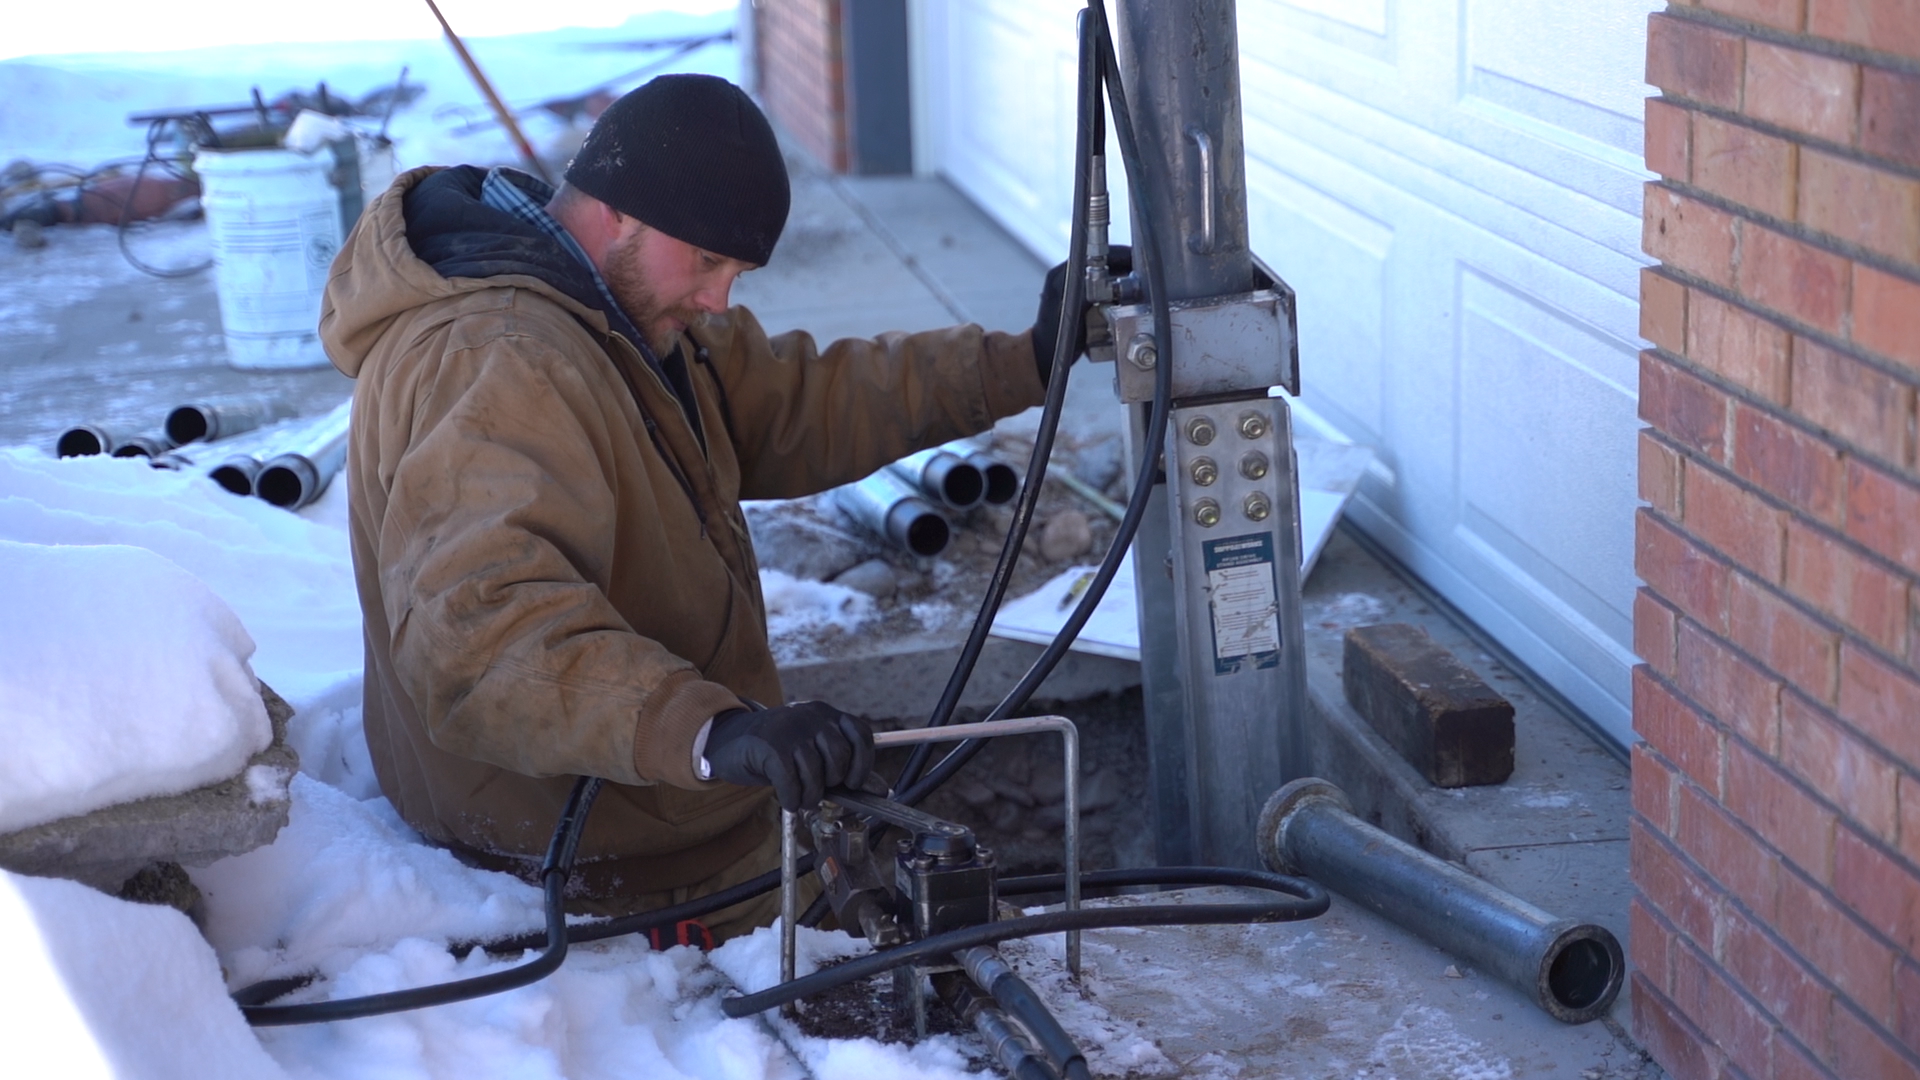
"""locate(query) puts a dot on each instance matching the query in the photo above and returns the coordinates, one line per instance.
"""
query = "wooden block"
(1436, 712)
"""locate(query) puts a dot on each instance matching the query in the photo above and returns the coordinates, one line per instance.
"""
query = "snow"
(797, 608)
(122, 677)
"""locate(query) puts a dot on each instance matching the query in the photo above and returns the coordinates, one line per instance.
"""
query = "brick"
(1886, 315)
(1784, 815)
(1702, 992)
(1881, 700)
(1910, 817)
(1743, 165)
(1663, 310)
(1791, 1061)
(1693, 61)
(1878, 889)
(1735, 520)
(1838, 764)
(1852, 588)
(1856, 962)
(1688, 234)
(1780, 982)
(1442, 718)
(1733, 691)
(1738, 346)
(1795, 279)
(1780, 14)
(1659, 475)
(1906, 990)
(1801, 90)
(1669, 885)
(1732, 857)
(1669, 140)
(1784, 638)
(1649, 943)
(1680, 734)
(1669, 1039)
(1859, 203)
(1790, 464)
(1654, 627)
(1891, 26)
(1890, 114)
(1861, 405)
(1681, 572)
(1881, 512)
(1860, 1049)
(1654, 787)
(1682, 406)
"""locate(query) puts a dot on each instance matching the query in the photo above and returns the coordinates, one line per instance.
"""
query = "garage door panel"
(1508, 39)
(1357, 28)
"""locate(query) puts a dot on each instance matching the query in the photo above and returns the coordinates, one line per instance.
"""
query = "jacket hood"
(429, 238)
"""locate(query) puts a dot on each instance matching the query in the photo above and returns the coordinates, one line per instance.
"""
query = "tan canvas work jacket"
(556, 576)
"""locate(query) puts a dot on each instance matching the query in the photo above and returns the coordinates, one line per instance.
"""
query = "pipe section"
(943, 476)
(1002, 480)
(299, 473)
(146, 446)
(1571, 969)
(201, 422)
(85, 440)
(887, 505)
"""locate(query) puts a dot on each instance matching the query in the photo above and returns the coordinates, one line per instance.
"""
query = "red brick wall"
(802, 78)
(1776, 832)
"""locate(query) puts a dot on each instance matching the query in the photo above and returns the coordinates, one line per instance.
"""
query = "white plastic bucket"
(275, 220)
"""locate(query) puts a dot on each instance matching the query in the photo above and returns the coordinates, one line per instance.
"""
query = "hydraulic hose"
(553, 879)
(1294, 899)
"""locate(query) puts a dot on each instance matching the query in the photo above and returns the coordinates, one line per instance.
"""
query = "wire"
(154, 131)
(1295, 899)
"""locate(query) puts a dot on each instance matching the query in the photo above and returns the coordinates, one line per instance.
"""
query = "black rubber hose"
(1063, 357)
(1018, 999)
(1297, 898)
(553, 878)
(1148, 257)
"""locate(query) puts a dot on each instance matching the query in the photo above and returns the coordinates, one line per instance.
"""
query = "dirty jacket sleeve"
(806, 419)
(495, 555)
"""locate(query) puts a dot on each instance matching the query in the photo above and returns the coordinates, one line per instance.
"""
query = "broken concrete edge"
(1442, 717)
(107, 847)
(903, 681)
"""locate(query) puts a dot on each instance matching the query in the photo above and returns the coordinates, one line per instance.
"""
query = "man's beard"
(641, 304)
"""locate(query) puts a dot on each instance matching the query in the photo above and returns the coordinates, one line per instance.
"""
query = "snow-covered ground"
(154, 593)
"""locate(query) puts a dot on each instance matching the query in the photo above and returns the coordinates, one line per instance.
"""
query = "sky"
(121, 26)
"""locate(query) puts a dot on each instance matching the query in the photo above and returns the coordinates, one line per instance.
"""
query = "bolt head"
(1254, 465)
(1142, 352)
(1253, 426)
(1257, 506)
(1206, 513)
(1200, 431)
(1203, 471)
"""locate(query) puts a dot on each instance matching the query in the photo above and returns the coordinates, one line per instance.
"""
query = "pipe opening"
(188, 423)
(1581, 974)
(132, 450)
(280, 486)
(1003, 483)
(233, 478)
(962, 486)
(928, 534)
(80, 442)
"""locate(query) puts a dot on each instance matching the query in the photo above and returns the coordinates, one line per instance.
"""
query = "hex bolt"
(1253, 465)
(1200, 431)
(1207, 513)
(1142, 352)
(1253, 426)
(1257, 506)
(1203, 471)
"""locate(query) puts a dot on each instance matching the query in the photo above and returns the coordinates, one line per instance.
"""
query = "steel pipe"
(146, 446)
(300, 472)
(1571, 969)
(889, 506)
(201, 422)
(86, 440)
(1002, 480)
(944, 476)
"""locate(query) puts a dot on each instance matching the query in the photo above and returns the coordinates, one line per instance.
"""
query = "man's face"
(665, 284)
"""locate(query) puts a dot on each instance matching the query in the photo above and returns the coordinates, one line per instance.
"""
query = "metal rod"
(1571, 969)
(1070, 742)
(789, 896)
(486, 88)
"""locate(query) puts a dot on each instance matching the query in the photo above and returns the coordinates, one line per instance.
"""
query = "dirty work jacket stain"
(555, 574)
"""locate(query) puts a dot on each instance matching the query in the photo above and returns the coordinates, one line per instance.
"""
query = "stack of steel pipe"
(891, 507)
(902, 502)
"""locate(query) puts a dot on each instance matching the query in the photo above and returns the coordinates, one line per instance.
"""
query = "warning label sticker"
(1245, 602)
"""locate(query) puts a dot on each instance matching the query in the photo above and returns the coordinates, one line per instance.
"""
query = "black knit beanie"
(692, 156)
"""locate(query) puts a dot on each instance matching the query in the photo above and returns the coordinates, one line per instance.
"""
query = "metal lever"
(1202, 244)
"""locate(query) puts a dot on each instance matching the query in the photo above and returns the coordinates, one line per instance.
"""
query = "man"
(556, 418)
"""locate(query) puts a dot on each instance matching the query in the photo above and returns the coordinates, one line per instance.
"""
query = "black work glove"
(800, 750)
(1046, 325)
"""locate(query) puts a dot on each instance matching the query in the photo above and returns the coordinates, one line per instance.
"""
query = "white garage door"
(1453, 187)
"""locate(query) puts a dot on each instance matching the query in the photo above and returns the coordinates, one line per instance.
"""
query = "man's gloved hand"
(800, 750)
(1046, 325)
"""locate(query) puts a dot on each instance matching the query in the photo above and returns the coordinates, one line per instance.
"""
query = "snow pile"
(121, 677)
(99, 987)
(798, 609)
